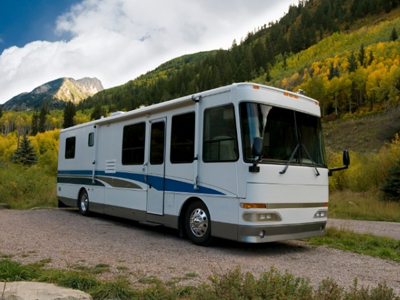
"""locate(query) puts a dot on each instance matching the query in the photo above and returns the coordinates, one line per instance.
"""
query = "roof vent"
(301, 92)
(116, 113)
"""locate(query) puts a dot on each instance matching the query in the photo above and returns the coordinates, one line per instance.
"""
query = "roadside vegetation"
(234, 285)
(366, 244)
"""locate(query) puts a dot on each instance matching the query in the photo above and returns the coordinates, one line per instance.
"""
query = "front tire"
(83, 203)
(198, 223)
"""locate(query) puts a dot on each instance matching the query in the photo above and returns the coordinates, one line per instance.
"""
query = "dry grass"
(362, 206)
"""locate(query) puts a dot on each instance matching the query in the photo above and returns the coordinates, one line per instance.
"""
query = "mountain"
(56, 93)
(344, 53)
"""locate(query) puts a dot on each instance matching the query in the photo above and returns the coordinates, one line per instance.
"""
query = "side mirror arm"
(346, 162)
(336, 169)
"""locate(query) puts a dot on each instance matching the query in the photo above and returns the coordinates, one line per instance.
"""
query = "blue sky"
(24, 21)
(115, 40)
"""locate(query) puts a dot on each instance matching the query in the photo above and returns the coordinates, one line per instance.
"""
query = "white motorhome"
(244, 162)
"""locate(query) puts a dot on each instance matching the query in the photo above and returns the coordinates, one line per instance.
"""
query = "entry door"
(156, 168)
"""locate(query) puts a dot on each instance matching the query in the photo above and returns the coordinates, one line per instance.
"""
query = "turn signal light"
(253, 205)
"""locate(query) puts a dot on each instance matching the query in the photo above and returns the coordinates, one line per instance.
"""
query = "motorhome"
(244, 162)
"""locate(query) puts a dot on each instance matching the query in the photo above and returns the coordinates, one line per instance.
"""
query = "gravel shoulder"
(387, 229)
(139, 252)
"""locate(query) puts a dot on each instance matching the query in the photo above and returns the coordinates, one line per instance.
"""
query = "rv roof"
(185, 101)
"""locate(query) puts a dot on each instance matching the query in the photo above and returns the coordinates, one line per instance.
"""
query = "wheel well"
(181, 218)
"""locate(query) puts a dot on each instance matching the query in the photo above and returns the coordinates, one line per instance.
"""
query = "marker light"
(253, 205)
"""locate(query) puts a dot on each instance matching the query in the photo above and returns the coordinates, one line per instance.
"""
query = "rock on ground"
(38, 291)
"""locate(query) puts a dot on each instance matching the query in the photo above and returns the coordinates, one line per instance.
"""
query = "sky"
(115, 40)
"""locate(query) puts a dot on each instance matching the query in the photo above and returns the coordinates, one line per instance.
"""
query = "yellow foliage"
(366, 171)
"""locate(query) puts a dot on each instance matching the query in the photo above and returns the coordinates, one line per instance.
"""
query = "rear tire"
(83, 203)
(198, 223)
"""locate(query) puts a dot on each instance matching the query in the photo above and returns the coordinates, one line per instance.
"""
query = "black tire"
(198, 223)
(83, 203)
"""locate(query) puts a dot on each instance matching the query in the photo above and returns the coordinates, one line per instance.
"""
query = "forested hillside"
(345, 53)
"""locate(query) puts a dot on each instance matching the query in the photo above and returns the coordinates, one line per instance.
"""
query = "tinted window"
(70, 147)
(157, 143)
(220, 139)
(182, 138)
(133, 144)
(91, 139)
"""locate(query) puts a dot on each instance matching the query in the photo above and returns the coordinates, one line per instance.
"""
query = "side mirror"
(346, 158)
(257, 150)
(346, 162)
(258, 146)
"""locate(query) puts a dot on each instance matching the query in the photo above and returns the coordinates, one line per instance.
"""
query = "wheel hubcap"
(199, 222)
(84, 202)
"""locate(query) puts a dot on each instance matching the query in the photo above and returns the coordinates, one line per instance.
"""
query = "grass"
(233, 285)
(24, 188)
(366, 244)
(362, 206)
(359, 134)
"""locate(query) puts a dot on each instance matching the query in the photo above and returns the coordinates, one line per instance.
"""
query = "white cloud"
(117, 40)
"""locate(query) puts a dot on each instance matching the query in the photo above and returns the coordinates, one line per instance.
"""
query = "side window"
(133, 144)
(70, 148)
(182, 138)
(219, 135)
(91, 139)
(157, 143)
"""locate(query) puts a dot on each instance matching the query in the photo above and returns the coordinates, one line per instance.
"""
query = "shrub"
(391, 188)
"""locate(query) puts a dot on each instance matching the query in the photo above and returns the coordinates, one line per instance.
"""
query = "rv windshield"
(285, 133)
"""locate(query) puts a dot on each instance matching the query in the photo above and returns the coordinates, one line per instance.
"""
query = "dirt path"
(138, 252)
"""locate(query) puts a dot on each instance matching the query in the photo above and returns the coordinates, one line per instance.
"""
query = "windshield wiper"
(297, 148)
(291, 157)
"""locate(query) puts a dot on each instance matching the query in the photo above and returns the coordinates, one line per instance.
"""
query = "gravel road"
(139, 252)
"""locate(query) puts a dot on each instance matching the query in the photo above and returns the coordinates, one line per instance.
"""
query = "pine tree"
(69, 113)
(391, 188)
(371, 57)
(44, 111)
(333, 72)
(35, 124)
(25, 154)
(97, 112)
(1, 111)
(394, 36)
(361, 55)
(352, 67)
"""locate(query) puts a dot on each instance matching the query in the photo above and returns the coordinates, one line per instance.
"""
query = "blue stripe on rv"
(171, 185)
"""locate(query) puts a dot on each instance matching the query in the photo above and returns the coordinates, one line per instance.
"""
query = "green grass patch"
(362, 206)
(366, 244)
(24, 188)
(234, 285)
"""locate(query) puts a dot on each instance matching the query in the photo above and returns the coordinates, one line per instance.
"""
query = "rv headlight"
(321, 214)
(262, 217)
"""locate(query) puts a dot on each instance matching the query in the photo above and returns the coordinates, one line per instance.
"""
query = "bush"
(391, 188)
(23, 188)
(367, 171)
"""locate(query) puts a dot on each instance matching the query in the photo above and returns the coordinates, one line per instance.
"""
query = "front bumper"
(273, 233)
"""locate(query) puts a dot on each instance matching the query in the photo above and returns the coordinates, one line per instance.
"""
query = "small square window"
(91, 139)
